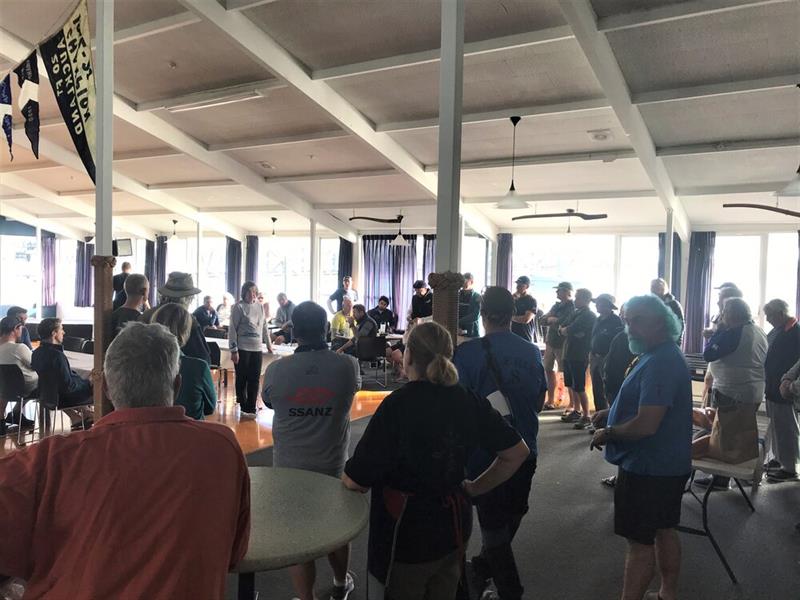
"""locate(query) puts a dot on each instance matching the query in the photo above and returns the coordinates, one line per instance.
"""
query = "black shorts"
(575, 374)
(399, 346)
(644, 504)
(507, 499)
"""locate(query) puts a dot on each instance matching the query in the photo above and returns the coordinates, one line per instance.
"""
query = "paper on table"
(499, 403)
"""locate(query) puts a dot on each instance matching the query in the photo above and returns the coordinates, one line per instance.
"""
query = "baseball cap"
(523, 279)
(727, 284)
(564, 285)
(419, 284)
(607, 298)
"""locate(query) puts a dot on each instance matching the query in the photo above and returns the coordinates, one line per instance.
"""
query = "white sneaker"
(247, 416)
(341, 592)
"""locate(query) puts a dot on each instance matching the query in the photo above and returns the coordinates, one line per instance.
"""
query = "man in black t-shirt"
(523, 321)
(118, 282)
(346, 291)
(382, 314)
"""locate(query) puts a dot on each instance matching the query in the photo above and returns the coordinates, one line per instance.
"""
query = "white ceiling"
(727, 134)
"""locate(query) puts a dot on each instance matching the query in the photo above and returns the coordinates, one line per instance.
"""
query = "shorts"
(399, 346)
(508, 499)
(575, 374)
(553, 356)
(643, 504)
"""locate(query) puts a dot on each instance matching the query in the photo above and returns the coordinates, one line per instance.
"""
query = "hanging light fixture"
(399, 240)
(274, 219)
(793, 189)
(511, 201)
(174, 236)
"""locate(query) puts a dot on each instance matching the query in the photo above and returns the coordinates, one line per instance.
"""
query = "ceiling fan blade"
(590, 217)
(397, 219)
(584, 216)
(775, 209)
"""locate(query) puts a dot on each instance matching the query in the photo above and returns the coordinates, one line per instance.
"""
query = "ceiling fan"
(570, 212)
(790, 191)
(398, 240)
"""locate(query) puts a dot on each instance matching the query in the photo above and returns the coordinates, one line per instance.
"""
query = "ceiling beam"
(581, 17)
(333, 176)
(247, 208)
(10, 212)
(738, 188)
(261, 47)
(717, 89)
(154, 27)
(543, 159)
(145, 154)
(676, 12)
(213, 97)
(375, 204)
(262, 142)
(39, 165)
(245, 4)
(71, 203)
(568, 196)
(732, 146)
(538, 110)
(509, 42)
(189, 185)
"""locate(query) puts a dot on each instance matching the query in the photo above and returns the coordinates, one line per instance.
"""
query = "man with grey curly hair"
(139, 482)
(648, 435)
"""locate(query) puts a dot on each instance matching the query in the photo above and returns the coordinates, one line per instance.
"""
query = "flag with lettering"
(28, 79)
(67, 56)
(5, 109)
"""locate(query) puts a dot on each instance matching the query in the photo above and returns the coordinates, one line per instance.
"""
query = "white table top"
(298, 516)
(279, 349)
(81, 363)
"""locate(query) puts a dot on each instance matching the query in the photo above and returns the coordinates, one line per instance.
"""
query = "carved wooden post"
(445, 300)
(103, 289)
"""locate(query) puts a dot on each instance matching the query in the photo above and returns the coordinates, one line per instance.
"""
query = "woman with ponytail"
(413, 457)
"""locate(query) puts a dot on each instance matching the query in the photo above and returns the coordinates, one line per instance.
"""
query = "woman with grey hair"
(736, 353)
(197, 394)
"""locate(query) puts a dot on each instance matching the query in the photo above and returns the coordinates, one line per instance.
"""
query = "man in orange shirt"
(147, 504)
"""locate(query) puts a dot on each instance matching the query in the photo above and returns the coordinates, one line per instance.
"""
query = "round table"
(296, 516)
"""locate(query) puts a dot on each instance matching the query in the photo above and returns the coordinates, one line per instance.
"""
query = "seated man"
(382, 315)
(283, 318)
(125, 496)
(365, 327)
(342, 324)
(137, 287)
(21, 314)
(205, 315)
(14, 353)
(311, 393)
(49, 358)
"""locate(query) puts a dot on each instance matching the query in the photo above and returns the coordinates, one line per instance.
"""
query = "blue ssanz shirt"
(660, 378)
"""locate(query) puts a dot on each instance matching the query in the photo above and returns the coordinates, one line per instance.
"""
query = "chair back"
(48, 389)
(215, 353)
(88, 347)
(12, 383)
(369, 348)
(73, 344)
(211, 332)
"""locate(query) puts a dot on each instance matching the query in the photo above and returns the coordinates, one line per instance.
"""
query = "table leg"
(247, 586)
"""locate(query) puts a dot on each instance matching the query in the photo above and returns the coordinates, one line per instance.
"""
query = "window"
(584, 260)
(212, 268)
(284, 266)
(737, 258)
(638, 265)
(66, 252)
(20, 276)
(328, 269)
(473, 259)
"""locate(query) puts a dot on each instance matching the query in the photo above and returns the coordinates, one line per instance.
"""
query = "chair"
(73, 344)
(88, 347)
(210, 332)
(50, 400)
(12, 390)
(33, 331)
(81, 330)
(372, 350)
(751, 470)
(697, 366)
(216, 360)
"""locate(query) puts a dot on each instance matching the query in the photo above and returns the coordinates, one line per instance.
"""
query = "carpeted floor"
(566, 549)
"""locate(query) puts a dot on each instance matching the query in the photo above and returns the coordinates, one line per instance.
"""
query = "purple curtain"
(404, 272)
(150, 269)
(345, 258)
(48, 268)
(428, 256)
(251, 259)
(84, 277)
(698, 284)
(378, 267)
(161, 263)
(505, 250)
(675, 284)
(233, 266)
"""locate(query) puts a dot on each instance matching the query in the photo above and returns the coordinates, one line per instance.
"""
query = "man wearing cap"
(522, 323)
(421, 301)
(606, 328)
(555, 318)
(21, 314)
(726, 290)
(469, 307)
(660, 288)
(179, 289)
(577, 332)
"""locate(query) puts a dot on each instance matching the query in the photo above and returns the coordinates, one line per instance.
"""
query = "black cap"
(9, 324)
(564, 285)
(524, 279)
(419, 284)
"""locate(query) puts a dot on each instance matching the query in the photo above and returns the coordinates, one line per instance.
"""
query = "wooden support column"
(103, 262)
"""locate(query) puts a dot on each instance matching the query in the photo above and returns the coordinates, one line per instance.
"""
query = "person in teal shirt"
(469, 308)
(197, 394)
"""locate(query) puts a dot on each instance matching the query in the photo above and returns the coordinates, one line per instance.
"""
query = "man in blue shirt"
(649, 436)
(507, 370)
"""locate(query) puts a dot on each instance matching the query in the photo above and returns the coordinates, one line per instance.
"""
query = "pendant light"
(274, 219)
(174, 236)
(511, 201)
(399, 240)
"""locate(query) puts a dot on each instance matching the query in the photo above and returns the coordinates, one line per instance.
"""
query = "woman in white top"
(246, 333)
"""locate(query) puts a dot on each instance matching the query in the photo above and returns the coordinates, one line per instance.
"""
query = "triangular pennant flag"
(5, 109)
(28, 101)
